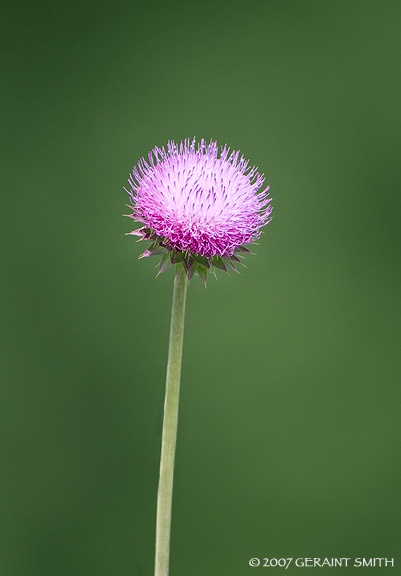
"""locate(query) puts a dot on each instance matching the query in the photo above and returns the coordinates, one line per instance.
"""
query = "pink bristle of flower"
(199, 201)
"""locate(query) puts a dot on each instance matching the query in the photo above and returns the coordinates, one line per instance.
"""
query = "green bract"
(193, 264)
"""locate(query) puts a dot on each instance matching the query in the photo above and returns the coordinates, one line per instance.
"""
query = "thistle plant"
(198, 209)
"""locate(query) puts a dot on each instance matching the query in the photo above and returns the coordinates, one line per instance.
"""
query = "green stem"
(169, 437)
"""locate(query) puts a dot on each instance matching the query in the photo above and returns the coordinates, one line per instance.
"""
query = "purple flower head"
(197, 206)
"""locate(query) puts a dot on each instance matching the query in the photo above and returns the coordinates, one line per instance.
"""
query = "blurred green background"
(289, 432)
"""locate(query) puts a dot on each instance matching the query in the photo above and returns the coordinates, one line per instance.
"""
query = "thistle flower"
(198, 207)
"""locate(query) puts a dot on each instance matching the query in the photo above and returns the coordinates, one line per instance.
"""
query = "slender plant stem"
(169, 437)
